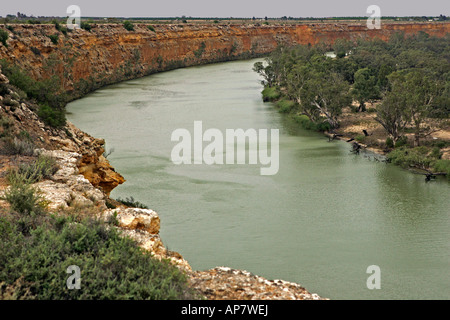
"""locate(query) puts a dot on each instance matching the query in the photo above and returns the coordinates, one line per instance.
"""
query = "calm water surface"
(321, 221)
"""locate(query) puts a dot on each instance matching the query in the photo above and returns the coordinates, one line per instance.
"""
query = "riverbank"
(82, 184)
(362, 128)
(363, 132)
(103, 177)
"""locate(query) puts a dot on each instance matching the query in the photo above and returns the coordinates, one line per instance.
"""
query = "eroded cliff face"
(87, 60)
(108, 53)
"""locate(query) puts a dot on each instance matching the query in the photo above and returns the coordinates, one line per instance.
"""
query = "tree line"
(409, 77)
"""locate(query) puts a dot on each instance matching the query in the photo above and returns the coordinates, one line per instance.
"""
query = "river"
(321, 221)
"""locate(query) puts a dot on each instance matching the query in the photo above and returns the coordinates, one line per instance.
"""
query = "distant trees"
(409, 76)
(304, 75)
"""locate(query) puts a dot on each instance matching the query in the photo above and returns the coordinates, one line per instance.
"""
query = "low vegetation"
(45, 93)
(54, 38)
(128, 25)
(3, 37)
(131, 202)
(37, 247)
(43, 167)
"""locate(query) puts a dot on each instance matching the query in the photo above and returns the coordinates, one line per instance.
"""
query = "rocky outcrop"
(68, 189)
(223, 283)
(21, 118)
(109, 53)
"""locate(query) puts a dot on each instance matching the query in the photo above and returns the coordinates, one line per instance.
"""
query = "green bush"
(86, 26)
(35, 50)
(418, 157)
(128, 26)
(57, 25)
(112, 267)
(436, 153)
(4, 90)
(24, 199)
(389, 142)
(441, 144)
(360, 138)
(151, 28)
(285, 106)
(3, 37)
(54, 38)
(270, 94)
(130, 202)
(402, 141)
(16, 146)
(41, 168)
(442, 166)
(307, 124)
(51, 116)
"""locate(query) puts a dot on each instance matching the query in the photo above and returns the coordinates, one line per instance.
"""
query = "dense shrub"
(16, 146)
(86, 26)
(307, 124)
(128, 26)
(112, 267)
(57, 25)
(35, 50)
(41, 168)
(270, 94)
(24, 199)
(285, 106)
(54, 38)
(52, 116)
(4, 90)
(3, 37)
(442, 166)
(151, 28)
(418, 157)
(360, 138)
(402, 141)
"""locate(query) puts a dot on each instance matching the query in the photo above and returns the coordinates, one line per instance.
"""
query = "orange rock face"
(109, 53)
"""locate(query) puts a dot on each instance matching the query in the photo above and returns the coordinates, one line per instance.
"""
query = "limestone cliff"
(85, 60)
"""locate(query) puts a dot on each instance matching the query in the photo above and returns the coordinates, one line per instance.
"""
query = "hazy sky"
(226, 8)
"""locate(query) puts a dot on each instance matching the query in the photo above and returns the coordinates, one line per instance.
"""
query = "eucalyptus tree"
(365, 88)
(412, 99)
(421, 94)
(325, 94)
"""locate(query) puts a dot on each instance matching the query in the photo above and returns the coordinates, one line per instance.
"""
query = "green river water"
(320, 221)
